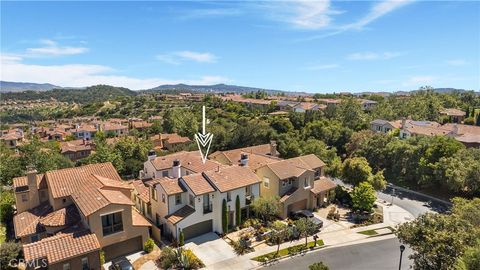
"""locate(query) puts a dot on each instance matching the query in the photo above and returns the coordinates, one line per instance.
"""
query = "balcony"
(207, 208)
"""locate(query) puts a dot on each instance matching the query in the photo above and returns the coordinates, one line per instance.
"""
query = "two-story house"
(84, 131)
(187, 195)
(65, 217)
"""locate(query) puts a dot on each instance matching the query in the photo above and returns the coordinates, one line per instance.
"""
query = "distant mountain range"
(178, 88)
(22, 86)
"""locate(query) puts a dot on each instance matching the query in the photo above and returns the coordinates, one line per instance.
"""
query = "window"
(24, 198)
(154, 193)
(112, 223)
(317, 173)
(85, 263)
(248, 190)
(191, 200)
(266, 182)
(290, 181)
(34, 238)
(164, 173)
(306, 183)
(157, 220)
(229, 196)
(163, 198)
(284, 183)
(149, 210)
(66, 266)
(178, 199)
(64, 201)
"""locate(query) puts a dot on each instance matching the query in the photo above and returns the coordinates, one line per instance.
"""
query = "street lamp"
(402, 248)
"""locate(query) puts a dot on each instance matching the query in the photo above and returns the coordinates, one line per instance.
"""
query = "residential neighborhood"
(232, 135)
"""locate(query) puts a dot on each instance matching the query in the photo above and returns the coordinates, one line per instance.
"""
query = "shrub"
(9, 251)
(317, 266)
(181, 240)
(241, 246)
(102, 257)
(179, 258)
(252, 222)
(167, 258)
(148, 245)
(193, 261)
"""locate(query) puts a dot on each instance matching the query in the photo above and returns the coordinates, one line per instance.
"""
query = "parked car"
(307, 214)
(121, 264)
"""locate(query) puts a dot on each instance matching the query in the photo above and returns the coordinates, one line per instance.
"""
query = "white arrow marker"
(204, 140)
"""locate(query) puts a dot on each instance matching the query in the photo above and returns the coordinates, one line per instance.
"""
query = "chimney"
(32, 177)
(151, 155)
(244, 159)
(404, 121)
(176, 169)
(273, 148)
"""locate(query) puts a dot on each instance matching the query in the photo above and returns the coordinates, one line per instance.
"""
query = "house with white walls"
(188, 195)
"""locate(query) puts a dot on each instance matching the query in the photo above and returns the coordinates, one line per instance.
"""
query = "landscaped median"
(379, 231)
(290, 251)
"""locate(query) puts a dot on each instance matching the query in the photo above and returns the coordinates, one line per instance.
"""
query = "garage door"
(300, 205)
(198, 229)
(123, 248)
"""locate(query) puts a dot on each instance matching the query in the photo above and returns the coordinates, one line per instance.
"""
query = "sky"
(312, 46)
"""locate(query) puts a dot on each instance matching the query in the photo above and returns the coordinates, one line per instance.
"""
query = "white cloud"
(51, 48)
(373, 55)
(302, 14)
(79, 75)
(418, 81)
(377, 11)
(176, 58)
(207, 13)
(320, 67)
(457, 62)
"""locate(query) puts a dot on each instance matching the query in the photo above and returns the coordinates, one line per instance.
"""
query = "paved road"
(378, 255)
(414, 203)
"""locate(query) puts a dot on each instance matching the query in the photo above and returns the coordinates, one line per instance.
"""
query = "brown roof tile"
(142, 190)
(198, 184)
(170, 185)
(27, 222)
(191, 161)
(323, 184)
(233, 177)
(21, 183)
(62, 246)
(63, 217)
(180, 214)
(138, 219)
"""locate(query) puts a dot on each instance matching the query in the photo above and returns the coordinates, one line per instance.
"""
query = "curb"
(288, 256)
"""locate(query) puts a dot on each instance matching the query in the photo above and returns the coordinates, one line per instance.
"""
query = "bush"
(102, 257)
(317, 266)
(148, 245)
(167, 258)
(179, 258)
(241, 246)
(181, 240)
(9, 251)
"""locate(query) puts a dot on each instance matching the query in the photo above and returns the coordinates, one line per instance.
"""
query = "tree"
(10, 165)
(363, 197)
(305, 227)
(148, 245)
(7, 201)
(265, 207)
(181, 240)
(181, 121)
(356, 170)
(281, 125)
(224, 217)
(470, 260)
(9, 251)
(317, 266)
(440, 241)
(378, 181)
(238, 212)
(278, 234)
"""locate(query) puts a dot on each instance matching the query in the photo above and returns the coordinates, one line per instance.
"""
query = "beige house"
(169, 141)
(76, 149)
(454, 115)
(64, 217)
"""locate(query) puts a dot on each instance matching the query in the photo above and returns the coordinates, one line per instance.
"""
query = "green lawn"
(286, 251)
(373, 232)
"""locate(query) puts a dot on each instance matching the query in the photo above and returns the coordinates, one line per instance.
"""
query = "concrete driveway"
(210, 248)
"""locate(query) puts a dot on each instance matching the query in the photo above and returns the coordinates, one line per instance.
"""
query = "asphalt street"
(378, 255)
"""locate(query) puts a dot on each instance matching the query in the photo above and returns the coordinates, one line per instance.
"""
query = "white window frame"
(266, 182)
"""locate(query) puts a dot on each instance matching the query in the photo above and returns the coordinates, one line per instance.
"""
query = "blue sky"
(313, 46)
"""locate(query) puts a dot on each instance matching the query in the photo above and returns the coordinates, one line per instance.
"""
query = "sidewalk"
(393, 215)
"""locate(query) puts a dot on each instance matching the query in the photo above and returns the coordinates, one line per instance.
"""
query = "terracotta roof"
(90, 199)
(27, 222)
(468, 138)
(180, 214)
(63, 217)
(288, 194)
(322, 184)
(62, 246)
(141, 124)
(21, 183)
(170, 185)
(174, 138)
(198, 184)
(191, 161)
(113, 126)
(426, 130)
(142, 190)
(309, 161)
(453, 112)
(85, 127)
(64, 182)
(233, 177)
(295, 167)
(138, 219)
(75, 146)
(463, 129)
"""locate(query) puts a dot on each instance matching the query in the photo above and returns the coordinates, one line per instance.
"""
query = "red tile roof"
(233, 177)
(138, 219)
(180, 214)
(322, 184)
(142, 190)
(198, 184)
(63, 217)
(27, 223)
